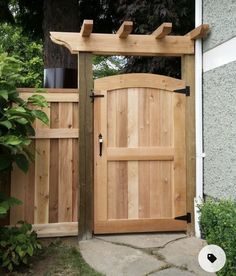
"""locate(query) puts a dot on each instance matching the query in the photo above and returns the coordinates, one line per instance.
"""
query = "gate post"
(188, 75)
(86, 155)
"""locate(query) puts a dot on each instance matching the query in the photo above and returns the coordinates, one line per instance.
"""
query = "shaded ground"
(58, 257)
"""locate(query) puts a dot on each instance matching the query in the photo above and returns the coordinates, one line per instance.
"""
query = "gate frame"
(159, 43)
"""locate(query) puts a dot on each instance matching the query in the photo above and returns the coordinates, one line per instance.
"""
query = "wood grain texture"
(138, 80)
(65, 165)
(188, 74)
(54, 166)
(86, 28)
(125, 29)
(42, 166)
(41, 203)
(133, 142)
(180, 158)
(86, 142)
(163, 30)
(111, 44)
(140, 225)
(199, 32)
(144, 157)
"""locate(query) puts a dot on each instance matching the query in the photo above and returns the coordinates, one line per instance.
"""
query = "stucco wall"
(219, 104)
(221, 15)
(220, 131)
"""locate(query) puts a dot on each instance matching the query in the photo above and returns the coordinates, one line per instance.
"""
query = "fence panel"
(49, 189)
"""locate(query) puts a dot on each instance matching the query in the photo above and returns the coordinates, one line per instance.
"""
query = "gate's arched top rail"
(159, 43)
(138, 80)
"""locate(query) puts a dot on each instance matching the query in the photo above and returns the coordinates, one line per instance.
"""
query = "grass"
(57, 259)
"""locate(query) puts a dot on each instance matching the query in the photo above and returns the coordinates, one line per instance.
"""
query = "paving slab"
(117, 260)
(143, 240)
(184, 253)
(172, 272)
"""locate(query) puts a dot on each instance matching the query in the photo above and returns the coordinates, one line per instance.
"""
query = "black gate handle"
(100, 143)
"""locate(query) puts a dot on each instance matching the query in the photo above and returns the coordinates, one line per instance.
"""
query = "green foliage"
(17, 245)
(30, 52)
(107, 66)
(218, 225)
(16, 118)
(6, 203)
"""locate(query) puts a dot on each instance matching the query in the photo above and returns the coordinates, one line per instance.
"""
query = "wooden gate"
(140, 166)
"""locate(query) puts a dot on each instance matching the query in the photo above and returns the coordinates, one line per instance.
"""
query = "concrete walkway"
(144, 254)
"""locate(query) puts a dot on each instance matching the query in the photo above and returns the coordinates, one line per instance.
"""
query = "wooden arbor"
(159, 43)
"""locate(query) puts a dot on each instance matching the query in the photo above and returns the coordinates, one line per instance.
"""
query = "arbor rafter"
(159, 43)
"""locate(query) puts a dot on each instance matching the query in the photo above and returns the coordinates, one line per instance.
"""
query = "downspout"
(198, 119)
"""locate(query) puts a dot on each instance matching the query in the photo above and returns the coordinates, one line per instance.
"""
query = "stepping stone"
(117, 260)
(184, 253)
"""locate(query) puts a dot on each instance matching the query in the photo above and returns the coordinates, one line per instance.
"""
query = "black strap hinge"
(185, 91)
(93, 96)
(186, 217)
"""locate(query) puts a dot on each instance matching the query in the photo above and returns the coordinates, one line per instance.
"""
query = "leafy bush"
(16, 44)
(6, 203)
(218, 225)
(16, 118)
(17, 245)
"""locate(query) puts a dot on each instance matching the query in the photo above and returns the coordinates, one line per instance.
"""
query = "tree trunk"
(60, 66)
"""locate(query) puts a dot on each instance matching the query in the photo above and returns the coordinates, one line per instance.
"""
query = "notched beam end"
(58, 39)
(199, 32)
(125, 29)
(162, 30)
(86, 28)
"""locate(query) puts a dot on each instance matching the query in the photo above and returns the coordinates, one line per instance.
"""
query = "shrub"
(218, 225)
(30, 52)
(16, 118)
(17, 245)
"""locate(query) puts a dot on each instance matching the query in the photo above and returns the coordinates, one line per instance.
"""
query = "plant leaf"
(4, 94)
(22, 162)
(7, 124)
(42, 116)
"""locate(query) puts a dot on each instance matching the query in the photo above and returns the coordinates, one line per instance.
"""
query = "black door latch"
(100, 143)
(93, 96)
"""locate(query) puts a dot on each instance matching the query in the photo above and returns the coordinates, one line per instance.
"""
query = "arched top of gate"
(138, 80)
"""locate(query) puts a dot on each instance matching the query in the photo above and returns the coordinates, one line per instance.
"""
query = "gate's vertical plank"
(122, 167)
(166, 139)
(65, 165)
(144, 166)
(179, 155)
(75, 164)
(111, 142)
(188, 74)
(42, 163)
(133, 142)
(54, 166)
(101, 182)
(86, 143)
(155, 185)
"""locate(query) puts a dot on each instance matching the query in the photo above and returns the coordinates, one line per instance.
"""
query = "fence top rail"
(49, 90)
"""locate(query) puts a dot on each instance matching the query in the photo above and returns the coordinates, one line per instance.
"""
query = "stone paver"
(172, 272)
(144, 254)
(184, 253)
(116, 260)
(143, 240)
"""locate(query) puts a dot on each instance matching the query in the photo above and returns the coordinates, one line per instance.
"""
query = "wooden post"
(86, 156)
(188, 74)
